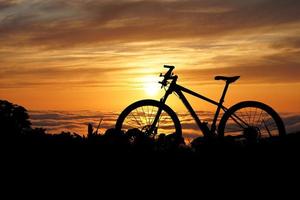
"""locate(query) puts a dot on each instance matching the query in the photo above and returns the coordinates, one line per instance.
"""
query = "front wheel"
(141, 114)
(251, 120)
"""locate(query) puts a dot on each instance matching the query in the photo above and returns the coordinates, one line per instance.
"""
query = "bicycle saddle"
(227, 79)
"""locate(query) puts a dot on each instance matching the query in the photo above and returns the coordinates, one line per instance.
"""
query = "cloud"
(76, 121)
(269, 69)
(64, 116)
(61, 24)
(288, 43)
(61, 76)
(276, 68)
(292, 122)
(4, 4)
(59, 71)
(58, 45)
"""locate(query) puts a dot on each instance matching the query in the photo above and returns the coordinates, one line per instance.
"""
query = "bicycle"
(250, 120)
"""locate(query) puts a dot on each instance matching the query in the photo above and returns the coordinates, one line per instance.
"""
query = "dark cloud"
(292, 122)
(7, 4)
(123, 21)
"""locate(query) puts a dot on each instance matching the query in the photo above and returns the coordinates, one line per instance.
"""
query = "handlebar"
(169, 72)
(169, 66)
(167, 76)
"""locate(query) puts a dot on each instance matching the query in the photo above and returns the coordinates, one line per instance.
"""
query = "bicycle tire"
(154, 103)
(251, 104)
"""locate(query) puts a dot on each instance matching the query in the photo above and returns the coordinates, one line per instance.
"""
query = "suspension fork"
(157, 116)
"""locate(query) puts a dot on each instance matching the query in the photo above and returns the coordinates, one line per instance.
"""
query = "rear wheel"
(140, 116)
(251, 120)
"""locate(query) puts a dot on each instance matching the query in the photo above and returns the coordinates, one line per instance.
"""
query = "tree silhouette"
(14, 119)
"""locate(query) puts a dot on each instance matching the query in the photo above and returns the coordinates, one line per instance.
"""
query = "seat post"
(224, 93)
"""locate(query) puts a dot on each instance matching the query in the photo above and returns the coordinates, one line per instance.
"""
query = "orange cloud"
(114, 44)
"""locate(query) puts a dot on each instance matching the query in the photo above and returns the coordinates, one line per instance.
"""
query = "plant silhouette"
(15, 127)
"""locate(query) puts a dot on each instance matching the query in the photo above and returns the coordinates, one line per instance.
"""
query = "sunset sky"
(106, 54)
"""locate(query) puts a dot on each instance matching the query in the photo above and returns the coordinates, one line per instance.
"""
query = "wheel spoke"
(142, 117)
(135, 119)
(267, 129)
(154, 115)
(139, 116)
(257, 117)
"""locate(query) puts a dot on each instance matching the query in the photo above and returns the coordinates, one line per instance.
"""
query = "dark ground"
(31, 158)
(71, 167)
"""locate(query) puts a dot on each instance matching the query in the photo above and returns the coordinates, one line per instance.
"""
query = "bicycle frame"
(202, 125)
(250, 128)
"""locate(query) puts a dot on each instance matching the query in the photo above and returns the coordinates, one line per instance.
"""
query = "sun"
(151, 86)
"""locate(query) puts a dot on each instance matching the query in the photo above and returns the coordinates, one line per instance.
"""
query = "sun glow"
(151, 86)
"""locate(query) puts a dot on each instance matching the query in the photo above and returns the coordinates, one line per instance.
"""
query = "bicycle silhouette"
(250, 120)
